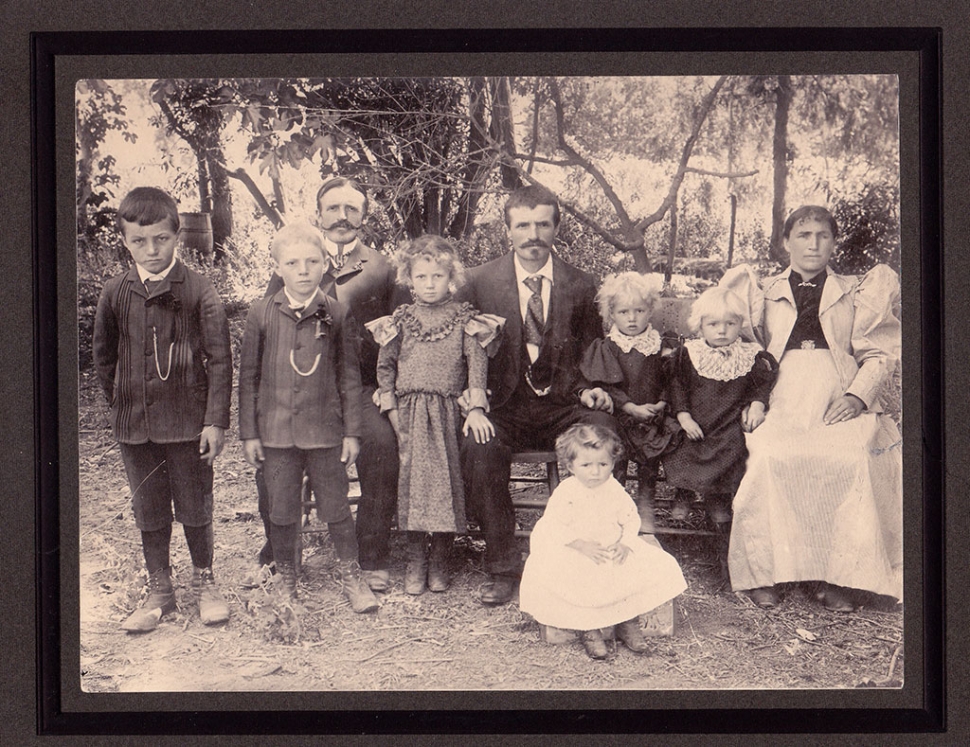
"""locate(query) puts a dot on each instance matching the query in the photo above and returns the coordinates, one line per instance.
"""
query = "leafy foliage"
(868, 231)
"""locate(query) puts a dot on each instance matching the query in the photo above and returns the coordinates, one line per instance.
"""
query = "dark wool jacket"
(366, 284)
(163, 360)
(299, 376)
(572, 323)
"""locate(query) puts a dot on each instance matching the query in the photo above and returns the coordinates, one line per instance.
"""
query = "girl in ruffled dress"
(629, 364)
(719, 387)
(588, 568)
(431, 351)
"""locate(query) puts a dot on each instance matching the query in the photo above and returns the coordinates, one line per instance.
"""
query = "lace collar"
(406, 318)
(647, 342)
(722, 364)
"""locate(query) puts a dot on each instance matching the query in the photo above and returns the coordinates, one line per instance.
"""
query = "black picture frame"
(61, 712)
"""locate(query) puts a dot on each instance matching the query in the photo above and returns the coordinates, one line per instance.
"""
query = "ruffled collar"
(443, 318)
(647, 342)
(722, 364)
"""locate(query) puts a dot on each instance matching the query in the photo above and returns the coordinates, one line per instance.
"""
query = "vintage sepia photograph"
(489, 383)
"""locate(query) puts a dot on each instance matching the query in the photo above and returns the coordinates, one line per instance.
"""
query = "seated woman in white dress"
(821, 499)
(588, 568)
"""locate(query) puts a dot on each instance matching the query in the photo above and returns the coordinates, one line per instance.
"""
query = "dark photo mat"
(60, 59)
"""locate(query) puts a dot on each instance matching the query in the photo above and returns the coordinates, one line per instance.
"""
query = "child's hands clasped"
(615, 553)
(690, 426)
(646, 412)
(478, 423)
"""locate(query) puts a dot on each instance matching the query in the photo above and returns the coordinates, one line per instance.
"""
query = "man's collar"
(521, 273)
(144, 274)
(334, 250)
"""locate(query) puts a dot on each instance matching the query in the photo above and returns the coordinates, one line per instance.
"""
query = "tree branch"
(702, 111)
(720, 174)
(585, 163)
(263, 203)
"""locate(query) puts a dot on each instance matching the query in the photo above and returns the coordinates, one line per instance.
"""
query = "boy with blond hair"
(300, 406)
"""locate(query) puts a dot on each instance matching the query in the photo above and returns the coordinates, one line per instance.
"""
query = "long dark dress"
(715, 464)
(632, 377)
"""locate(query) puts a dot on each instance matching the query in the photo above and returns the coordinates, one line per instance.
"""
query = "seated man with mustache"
(536, 388)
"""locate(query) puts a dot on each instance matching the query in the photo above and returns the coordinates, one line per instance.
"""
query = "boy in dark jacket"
(162, 352)
(300, 406)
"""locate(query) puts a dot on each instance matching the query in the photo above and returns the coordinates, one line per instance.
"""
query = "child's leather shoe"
(594, 644)
(629, 632)
(160, 601)
(212, 607)
(358, 593)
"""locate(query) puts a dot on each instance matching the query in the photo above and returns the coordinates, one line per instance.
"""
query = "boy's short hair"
(296, 233)
(630, 284)
(341, 181)
(146, 206)
(810, 212)
(437, 249)
(586, 436)
(713, 301)
(531, 197)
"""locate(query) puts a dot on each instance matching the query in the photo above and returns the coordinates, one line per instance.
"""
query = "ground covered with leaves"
(446, 641)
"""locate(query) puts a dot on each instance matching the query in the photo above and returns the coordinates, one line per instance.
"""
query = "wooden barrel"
(197, 232)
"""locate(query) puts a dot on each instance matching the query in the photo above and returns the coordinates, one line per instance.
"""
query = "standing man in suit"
(536, 388)
(360, 277)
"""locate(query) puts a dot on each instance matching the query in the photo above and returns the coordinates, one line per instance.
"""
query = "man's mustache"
(536, 242)
(341, 224)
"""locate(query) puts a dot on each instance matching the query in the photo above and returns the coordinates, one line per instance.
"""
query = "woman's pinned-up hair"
(626, 285)
(584, 436)
(435, 248)
(716, 301)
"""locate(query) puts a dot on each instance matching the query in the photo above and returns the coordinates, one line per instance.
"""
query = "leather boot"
(352, 584)
(286, 579)
(416, 575)
(212, 607)
(594, 644)
(161, 600)
(377, 580)
(629, 632)
(438, 562)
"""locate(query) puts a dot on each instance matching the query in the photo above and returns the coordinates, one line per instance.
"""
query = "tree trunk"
(780, 157)
(221, 208)
(477, 169)
(672, 248)
(734, 215)
(502, 129)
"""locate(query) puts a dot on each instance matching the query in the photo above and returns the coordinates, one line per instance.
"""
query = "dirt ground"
(447, 641)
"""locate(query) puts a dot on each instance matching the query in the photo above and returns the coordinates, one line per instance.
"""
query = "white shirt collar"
(298, 305)
(144, 274)
(521, 273)
(334, 251)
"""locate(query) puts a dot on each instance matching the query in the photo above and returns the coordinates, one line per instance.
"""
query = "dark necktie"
(533, 312)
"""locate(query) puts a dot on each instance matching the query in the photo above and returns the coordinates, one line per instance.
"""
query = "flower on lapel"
(166, 300)
(323, 319)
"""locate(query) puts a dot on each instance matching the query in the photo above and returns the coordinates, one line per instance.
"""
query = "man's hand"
(690, 426)
(349, 450)
(596, 399)
(253, 451)
(753, 416)
(845, 408)
(211, 441)
(479, 424)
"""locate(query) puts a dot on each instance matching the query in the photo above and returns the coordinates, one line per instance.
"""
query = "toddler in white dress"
(588, 568)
